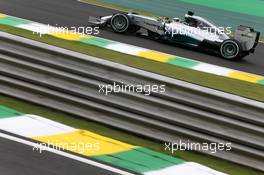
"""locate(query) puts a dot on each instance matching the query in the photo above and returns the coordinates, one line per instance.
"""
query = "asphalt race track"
(74, 13)
(17, 158)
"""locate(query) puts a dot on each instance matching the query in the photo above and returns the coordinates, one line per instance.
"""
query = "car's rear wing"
(247, 37)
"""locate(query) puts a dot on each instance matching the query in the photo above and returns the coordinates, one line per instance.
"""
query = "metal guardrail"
(68, 81)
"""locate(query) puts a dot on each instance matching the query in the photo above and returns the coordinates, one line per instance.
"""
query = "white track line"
(68, 155)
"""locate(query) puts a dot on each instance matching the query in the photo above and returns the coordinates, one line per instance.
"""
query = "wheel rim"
(119, 23)
(230, 50)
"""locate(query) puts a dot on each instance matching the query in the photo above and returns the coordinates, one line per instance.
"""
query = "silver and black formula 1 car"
(192, 31)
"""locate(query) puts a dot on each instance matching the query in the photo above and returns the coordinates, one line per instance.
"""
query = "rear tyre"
(230, 49)
(120, 23)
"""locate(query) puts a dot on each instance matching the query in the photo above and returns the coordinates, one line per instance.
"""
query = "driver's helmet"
(176, 20)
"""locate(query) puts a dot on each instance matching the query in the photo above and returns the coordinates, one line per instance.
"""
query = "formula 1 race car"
(193, 31)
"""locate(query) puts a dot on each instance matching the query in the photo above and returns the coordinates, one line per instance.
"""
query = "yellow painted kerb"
(69, 36)
(86, 143)
(245, 76)
(157, 56)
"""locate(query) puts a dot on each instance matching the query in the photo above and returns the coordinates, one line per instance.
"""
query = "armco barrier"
(68, 81)
(42, 29)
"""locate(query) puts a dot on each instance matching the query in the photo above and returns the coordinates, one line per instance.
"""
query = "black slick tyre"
(120, 23)
(230, 49)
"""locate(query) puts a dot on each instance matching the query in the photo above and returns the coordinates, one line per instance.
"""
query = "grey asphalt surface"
(19, 159)
(74, 13)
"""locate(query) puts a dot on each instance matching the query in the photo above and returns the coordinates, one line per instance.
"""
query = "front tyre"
(120, 23)
(230, 49)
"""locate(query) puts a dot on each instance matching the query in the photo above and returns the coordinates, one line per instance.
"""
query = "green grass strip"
(252, 7)
(116, 7)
